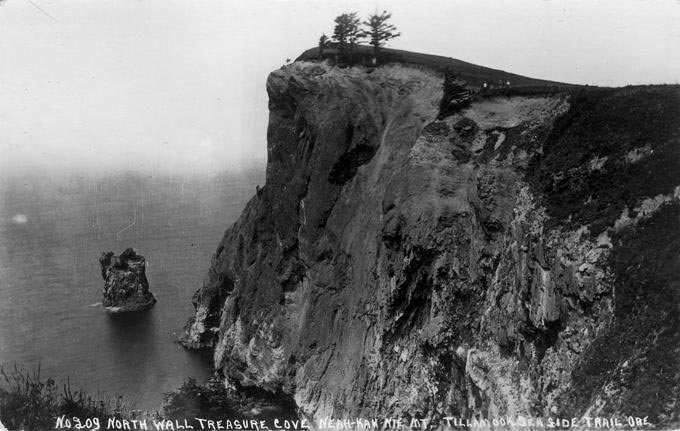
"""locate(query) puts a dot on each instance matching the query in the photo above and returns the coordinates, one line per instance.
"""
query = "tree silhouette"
(379, 30)
(323, 43)
(347, 34)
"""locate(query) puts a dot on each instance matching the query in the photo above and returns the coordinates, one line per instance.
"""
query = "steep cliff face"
(516, 255)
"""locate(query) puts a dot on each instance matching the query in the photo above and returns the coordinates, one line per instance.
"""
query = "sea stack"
(126, 288)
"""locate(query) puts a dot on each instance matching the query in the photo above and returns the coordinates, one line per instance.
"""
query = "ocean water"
(52, 232)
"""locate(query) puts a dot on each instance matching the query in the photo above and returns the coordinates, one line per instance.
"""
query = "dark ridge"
(473, 74)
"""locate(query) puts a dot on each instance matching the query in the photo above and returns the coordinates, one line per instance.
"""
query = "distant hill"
(475, 75)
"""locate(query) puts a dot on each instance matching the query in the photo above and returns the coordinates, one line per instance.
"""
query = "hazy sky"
(180, 84)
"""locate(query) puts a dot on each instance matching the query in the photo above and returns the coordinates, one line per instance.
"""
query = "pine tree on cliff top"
(323, 43)
(347, 34)
(380, 31)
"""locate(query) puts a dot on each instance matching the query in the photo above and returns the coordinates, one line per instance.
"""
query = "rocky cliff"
(413, 256)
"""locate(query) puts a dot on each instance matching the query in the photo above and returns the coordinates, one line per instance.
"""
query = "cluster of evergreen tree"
(350, 31)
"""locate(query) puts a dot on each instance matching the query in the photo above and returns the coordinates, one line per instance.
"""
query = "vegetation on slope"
(473, 74)
(587, 174)
(614, 149)
(633, 367)
(214, 401)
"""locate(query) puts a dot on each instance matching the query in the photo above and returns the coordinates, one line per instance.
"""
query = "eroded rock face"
(126, 288)
(403, 261)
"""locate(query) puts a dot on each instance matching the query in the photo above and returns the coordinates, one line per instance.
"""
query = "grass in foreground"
(30, 402)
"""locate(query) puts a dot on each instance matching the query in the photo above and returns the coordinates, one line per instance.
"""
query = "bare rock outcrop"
(505, 256)
(126, 288)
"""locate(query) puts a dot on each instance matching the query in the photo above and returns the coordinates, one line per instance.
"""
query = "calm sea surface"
(52, 231)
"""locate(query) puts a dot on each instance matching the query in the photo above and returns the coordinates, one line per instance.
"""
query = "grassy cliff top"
(474, 75)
